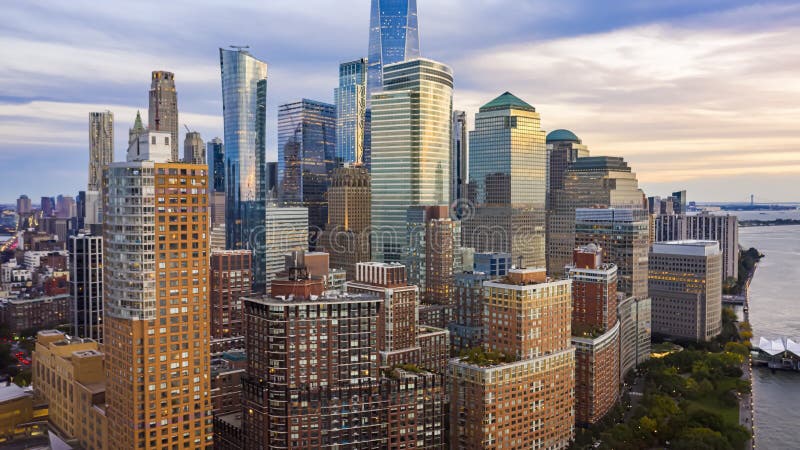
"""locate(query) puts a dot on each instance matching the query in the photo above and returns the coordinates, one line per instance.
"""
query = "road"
(746, 404)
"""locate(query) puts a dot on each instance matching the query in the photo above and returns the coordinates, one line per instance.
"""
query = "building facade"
(592, 182)
(635, 331)
(307, 156)
(459, 162)
(507, 181)
(351, 112)
(86, 285)
(686, 289)
(101, 147)
(163, 111)
(704, 226)
(215, 149)
(194, 149)
(410, 149)
(393, 38)
(285, 230)
(231, 280)
(466, 328)
(156, 312)
(244, 104)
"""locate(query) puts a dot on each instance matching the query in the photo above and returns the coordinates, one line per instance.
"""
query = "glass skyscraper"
(411, 126)
(244, 105)
(216, 164)
(351, 108)
(507, 181)
(306, 156)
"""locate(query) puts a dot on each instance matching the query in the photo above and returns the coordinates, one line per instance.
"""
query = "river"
(774, 312)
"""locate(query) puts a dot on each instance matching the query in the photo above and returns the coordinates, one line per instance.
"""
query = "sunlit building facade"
(101, 147)
(507, 181)
(411, 149)
(244, 104)
(351, 110)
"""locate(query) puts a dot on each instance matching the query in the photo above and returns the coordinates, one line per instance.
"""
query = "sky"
(702, 95)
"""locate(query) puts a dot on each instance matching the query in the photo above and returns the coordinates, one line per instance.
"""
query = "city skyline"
(633, 82)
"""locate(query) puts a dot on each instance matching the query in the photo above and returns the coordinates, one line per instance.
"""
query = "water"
(774, 312)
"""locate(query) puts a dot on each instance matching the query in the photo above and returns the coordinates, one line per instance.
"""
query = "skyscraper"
(411, 149)
(231, 280)
(244, 104)
(459, 160)
(346, 236)
(156, 326)
(86, 285)
(48, 206)
(101, 147)
(351, 109)
(686, 289)
(508, 181)
(592, 182)
(194, 149)
(216, 164)
(520, 393)
(393, 38)
(163, 111)
(706, 226)
(306, 156)
(285, 229)
(24, 205)
(563, 149)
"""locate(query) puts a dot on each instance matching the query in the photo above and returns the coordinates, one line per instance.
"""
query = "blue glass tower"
(244, 106)
(216, 164)
(351, 108)
(306, 156)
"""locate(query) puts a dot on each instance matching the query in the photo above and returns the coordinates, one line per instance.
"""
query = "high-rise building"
(66, 207)
(623, 234)
(156, 312)
(307, 156)
(272, 180)
(244, 104)
(508, 181)
(393, 38)
(163, 111)
(231, 280)
(492, 264)
(86, 285)
(686, 289)
(679, 202)
(216, 164)
(635, 330)
(285, 230)
(526, 377)
(24, 205)
(704, 226)
(217, 205)
(346, 236)
(432, 251)
(459, 162)
(351, 110)
(101, 147)
(466, 327)
(411, 149)
(563, 149)
(194, 149)
(592, 182)
(595, 333)
(48, 206)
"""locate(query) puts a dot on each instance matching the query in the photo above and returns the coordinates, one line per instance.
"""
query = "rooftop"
(507, 100)
(562, 135)
(600, 163)
(12, 392)
(689, 247)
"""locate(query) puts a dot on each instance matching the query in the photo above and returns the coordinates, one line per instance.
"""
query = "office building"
(507, 181)
(244, 104)
(432, 251)
(101, 147)
(635, 330)
(216, 202)
(623, 234)
(156, 312)
(410, 149)
(704, 226)
(686, 289)
(393, 38)
(459, 162)
(231, 280)
(48, 206)
(563, 149)
(216, 164)
(525, 376)
(679, 202)
(24, 205)
(592, 182)
(194, 149)
(86, 285)
(347, 237)
(285, 230)
(307, 156)
(163, 111)
(351, 112)
(466, 327)
(68, 375)
(595, 333)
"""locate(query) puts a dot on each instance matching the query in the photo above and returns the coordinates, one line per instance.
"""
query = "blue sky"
(701, 95)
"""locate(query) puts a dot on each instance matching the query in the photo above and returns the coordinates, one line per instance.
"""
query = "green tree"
(701, 439)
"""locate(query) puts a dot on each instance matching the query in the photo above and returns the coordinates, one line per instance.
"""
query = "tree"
(701, 439)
